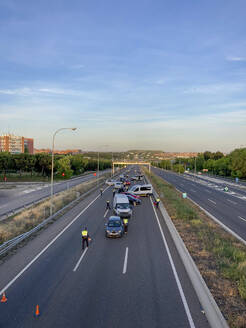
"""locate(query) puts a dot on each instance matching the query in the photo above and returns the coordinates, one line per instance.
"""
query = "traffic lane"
(232, 215)
(17, 261)
(105, 297)
(21, 200)
(176, 178)
(150, 276)
(226, 200)
(227, 215)
(40, 282)
(148, 262)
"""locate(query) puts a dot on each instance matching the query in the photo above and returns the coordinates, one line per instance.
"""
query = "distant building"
(28, 145)
(16, 144)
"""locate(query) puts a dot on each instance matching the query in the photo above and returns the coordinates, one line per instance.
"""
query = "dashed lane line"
(231, 201)
(80, 259)
(242, 218)
(105, 213)
(125, 262)
(212, 201)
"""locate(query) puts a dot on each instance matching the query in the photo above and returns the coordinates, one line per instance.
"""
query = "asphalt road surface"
(228, 207)
(125, 282)
(10, 201)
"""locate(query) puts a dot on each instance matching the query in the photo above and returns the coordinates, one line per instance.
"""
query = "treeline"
(233, 164)
(64, 165)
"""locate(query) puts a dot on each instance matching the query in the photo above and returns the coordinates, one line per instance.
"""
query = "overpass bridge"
(130, 163)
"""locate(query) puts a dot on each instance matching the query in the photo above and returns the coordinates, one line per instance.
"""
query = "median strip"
(219, 256)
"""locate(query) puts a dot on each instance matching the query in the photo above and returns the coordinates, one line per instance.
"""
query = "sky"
(143, 74)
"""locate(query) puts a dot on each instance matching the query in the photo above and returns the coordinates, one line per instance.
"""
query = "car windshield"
(114, 224)
(123, 206)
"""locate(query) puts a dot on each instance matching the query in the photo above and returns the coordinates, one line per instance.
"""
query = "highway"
(135, 281)
(227, 207)
(12, 201)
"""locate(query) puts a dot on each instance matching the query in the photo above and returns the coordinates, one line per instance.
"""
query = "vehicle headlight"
(108, 231)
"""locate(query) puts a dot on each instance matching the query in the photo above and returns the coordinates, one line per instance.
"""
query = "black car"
(114, 227)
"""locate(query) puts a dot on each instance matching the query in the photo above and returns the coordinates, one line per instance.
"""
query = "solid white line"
(81, 258)
(105, 213)
(46, 247)
(193, 190)
(125, 261)
(187, 310)
(242, 218)
(211, 201)
(231, 201)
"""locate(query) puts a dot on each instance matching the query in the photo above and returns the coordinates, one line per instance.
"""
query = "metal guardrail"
(210, 307)
(8, 245)
(30, 204)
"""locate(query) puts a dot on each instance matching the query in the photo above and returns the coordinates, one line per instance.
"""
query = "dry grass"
(28, 219)
(220, 257)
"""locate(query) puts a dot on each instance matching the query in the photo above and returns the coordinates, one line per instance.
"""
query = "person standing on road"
(108, 205)
(114, 192)
(125, 222)
(101, 191)
(85, 238)
(157, 202)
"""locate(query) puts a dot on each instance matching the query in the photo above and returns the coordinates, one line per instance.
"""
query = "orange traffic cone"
(4, 298)
(37, 313)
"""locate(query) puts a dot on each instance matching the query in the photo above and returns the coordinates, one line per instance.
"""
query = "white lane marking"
(231, 201)
(105, 213)
(211, 201)
(81, 258)
(125, 261)
(187, 310)
(46, 247)
(242, 218)
(193, 190)
(181, 184)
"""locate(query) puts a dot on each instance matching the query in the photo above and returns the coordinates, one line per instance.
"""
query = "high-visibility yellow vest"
(125, 221)
(84, 233)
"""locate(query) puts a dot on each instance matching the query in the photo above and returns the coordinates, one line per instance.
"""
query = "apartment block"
(16, 144)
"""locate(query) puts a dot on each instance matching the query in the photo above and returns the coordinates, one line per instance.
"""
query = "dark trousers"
(126, 227)
(85, 240)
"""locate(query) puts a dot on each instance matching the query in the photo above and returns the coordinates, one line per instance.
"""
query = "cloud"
(236, 59)
(215, 88)
(18, 92)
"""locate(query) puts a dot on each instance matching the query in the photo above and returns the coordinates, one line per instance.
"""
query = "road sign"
(184, 195)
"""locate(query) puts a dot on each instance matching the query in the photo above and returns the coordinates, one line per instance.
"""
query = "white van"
(121, 206)
(118, 185)
(142, 190)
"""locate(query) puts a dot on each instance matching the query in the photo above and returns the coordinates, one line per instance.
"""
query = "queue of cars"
(123, 202)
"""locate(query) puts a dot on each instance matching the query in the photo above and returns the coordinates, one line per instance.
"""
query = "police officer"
(125, 222)
(157, 202)
(101, 191)
(85, 238)
(108, 205)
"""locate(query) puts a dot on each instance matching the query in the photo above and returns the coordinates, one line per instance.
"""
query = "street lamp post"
(52, 167)
(98, 165)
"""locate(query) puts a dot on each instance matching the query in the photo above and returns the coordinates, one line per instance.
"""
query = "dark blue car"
(114, 227)
(133, 199)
